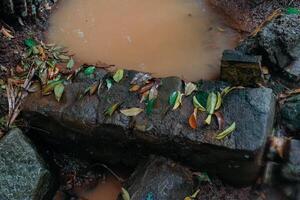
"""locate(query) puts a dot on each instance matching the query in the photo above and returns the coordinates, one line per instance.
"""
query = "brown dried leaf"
(220, 119)
(193, 119)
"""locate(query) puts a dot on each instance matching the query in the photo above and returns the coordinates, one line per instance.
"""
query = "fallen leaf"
(109, 83)
(70, 64)
(30, 42)
(198, 105)
(226, 90)
(6, 33)
(221, 29)
(125, 195)
(226, 132)
(292, 11)
(202, 97)
(89, 70)
(147, 87)
(219, 101)
(189, 88)
(144, 96)
(63, 57)
(210, 106)
(178, 101)
(131, 112)
(110, 111)
(172, 98)
(93, 88)
(220, 119)
(193, 119)
(58, 91)
(149, 106)
(134, 88)
(34, 87)
(50, 87)
(118, 76)
(140, 78)
(153, 93)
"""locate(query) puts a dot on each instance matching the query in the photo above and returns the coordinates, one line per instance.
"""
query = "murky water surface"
(164, 37)
(107, 190)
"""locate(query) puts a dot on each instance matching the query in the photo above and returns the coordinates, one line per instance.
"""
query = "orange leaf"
(193, 119)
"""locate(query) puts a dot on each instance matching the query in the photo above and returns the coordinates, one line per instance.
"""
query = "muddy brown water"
(105, 190)
(184, 38)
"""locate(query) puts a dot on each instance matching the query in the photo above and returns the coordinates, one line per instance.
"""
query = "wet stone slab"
(160, 178)
(80, 126)
(23, 174)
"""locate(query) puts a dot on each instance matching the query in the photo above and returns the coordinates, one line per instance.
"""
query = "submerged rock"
(23, 175)
(81, 126)
(240, 69)
(279, 44)
(290, 113)
(160, 178)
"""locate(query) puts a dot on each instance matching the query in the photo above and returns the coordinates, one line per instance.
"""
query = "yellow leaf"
(125, 194)
(219, 101)
(131, 112)
(118, 76)
(178, 101)
(189, 88)
(226, 132)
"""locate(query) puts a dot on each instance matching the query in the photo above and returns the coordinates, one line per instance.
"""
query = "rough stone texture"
(279, 44)
(240, 69)
(291, 170)
(290, 113)
(79, 125)
(23, 175)
(160, 178)
(248, 14)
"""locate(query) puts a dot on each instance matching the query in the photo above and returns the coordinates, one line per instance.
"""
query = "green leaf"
(178, 101)
(211, 103)
(50, 87)
(109, 83)
(110, 111)
(118, 76)
(89, 70)
(58, 91)
(71, 63)
(172, 98)
(198, 105)
(125, 195)
(219, 101)
(149, 106)
(202, 97)
(226, 132)
(292, 11)
(30, 42)
(131, 112)
(210, 106)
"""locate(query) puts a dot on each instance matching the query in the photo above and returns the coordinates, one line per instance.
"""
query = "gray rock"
(161, 179)
(291, 170)
(80, 126)
(279, 44)
(290, 113)
(23, 175)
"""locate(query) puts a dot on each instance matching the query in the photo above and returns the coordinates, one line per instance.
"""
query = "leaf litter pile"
(49, 67)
